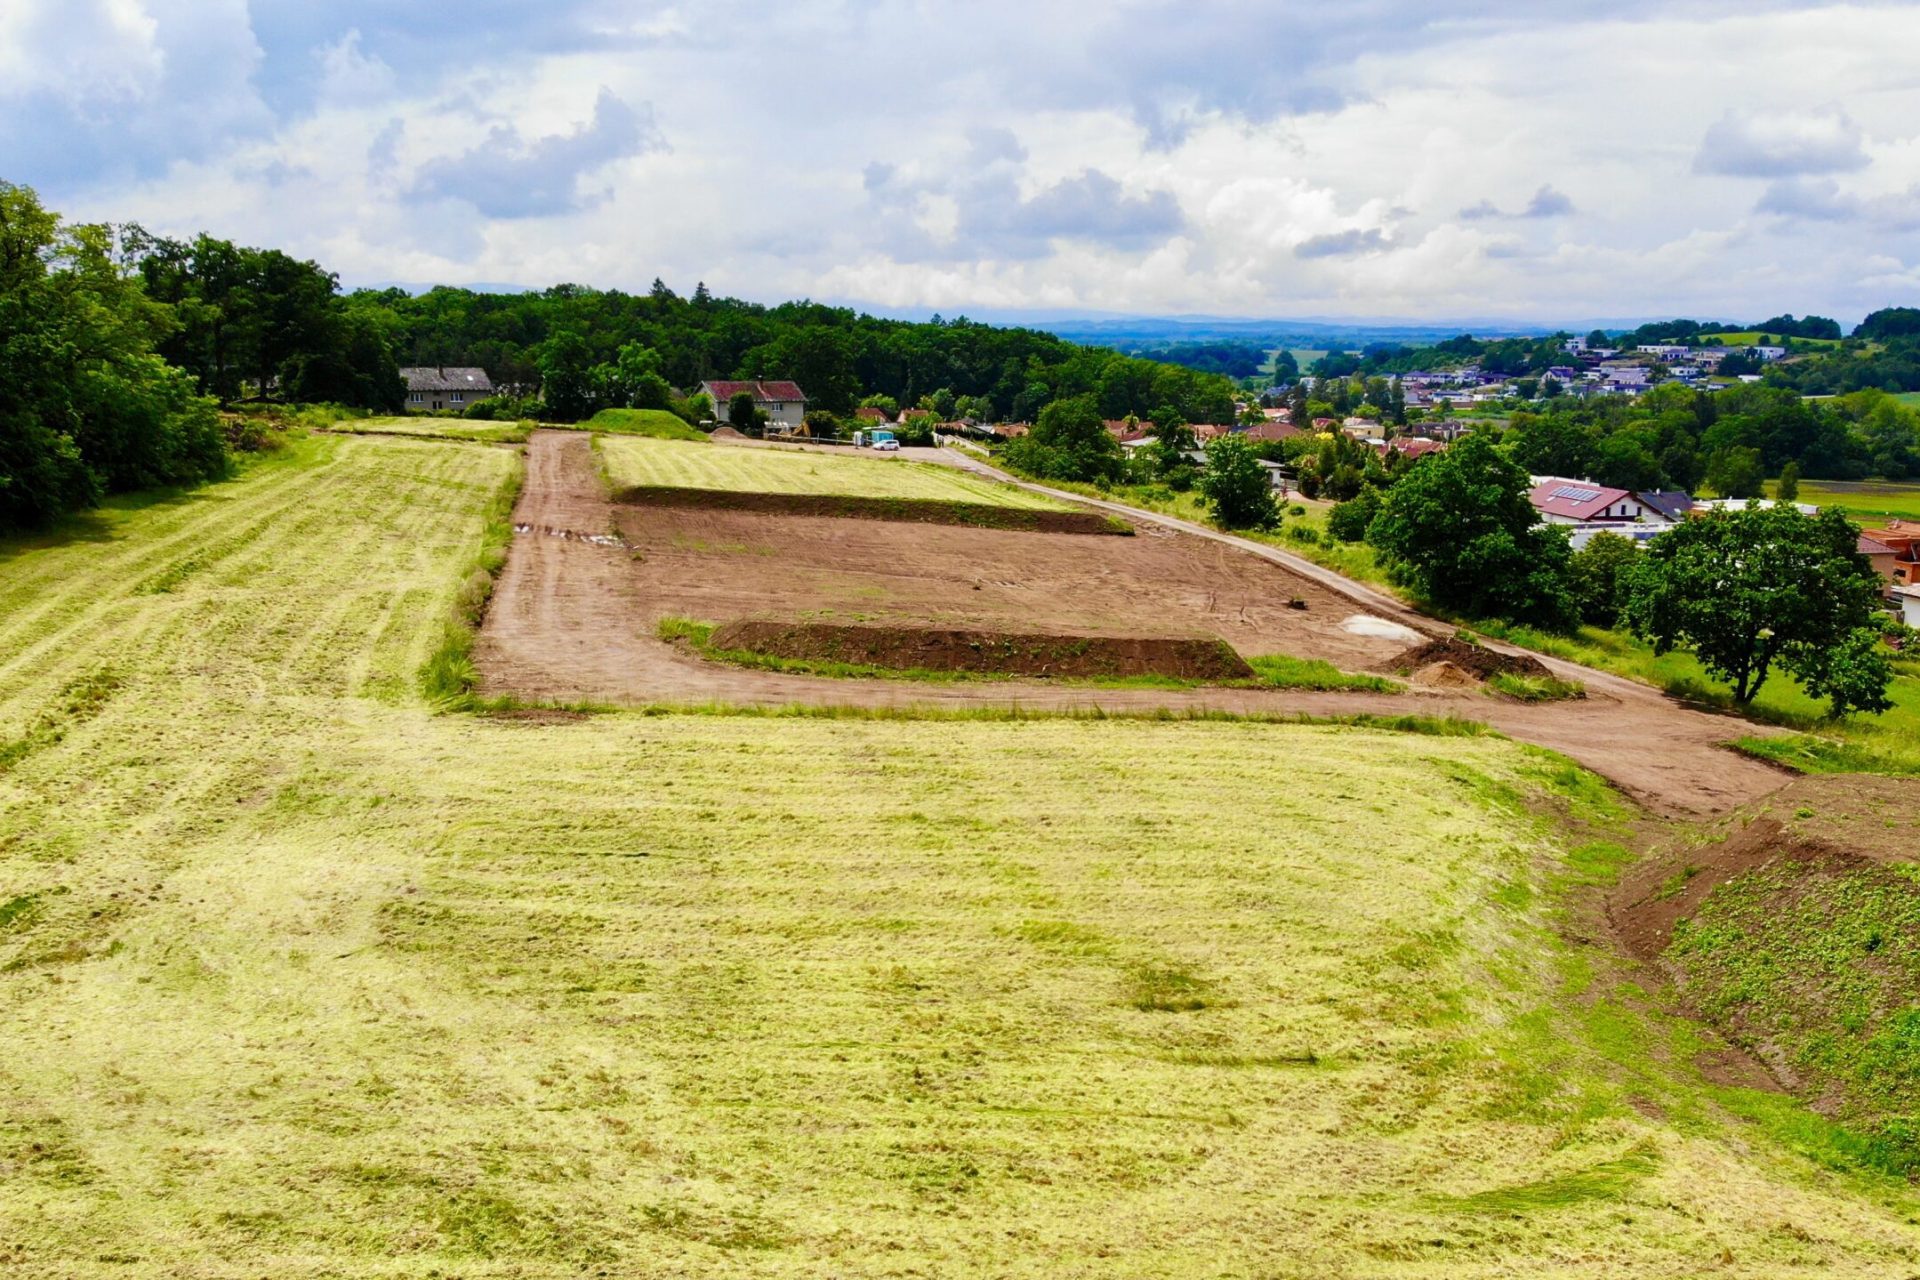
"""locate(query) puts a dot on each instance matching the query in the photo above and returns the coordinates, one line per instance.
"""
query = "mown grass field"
(633, 462)
(437, 429)
(656, 423)
(300, 979)
(1866, 501)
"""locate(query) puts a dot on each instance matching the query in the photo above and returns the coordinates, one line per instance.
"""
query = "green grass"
(633, 462)
(471, 431)
(1752, 337)
(1523, 688)
(1866, 501)
(1282, 672)
(300, 978)
(657, 424)
(1820, 964)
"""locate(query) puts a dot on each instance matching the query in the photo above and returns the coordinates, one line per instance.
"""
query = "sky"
(1406, 159)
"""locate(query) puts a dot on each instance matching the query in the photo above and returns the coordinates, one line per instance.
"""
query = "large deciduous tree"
(1458, 528)
(1749, 591)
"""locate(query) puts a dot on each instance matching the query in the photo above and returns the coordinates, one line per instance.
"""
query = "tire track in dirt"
(574, 620)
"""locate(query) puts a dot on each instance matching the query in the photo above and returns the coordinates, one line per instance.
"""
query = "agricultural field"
(632, 462)
(1752, 337)
(1865, 501)
(299, 977)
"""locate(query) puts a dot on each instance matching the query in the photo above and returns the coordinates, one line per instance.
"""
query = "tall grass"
(448, 678)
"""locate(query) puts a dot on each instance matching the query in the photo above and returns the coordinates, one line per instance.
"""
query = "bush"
(1600, 574)
(1349, 520)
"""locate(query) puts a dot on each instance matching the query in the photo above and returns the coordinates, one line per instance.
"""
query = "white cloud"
(1780, 144)
(1375, 158)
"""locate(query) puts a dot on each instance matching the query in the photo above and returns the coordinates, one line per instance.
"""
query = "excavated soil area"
(1827, 824)
(576, 619)
(1474, 660)
(978, 515)
(998, 652)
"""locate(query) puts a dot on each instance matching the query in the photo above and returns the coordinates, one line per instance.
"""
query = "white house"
(445, 390)
(1909, 598)
(783, 402)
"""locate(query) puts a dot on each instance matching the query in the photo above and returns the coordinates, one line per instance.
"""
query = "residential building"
(1580, 502)
(1909, 600)
(445, 389)
(783, 402)
(1884, 559)
(1902, 538)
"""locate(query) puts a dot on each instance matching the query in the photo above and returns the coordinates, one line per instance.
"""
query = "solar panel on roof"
(1572, 494)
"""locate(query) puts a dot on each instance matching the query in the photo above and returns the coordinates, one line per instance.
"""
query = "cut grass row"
(633, 462)
(299, 978)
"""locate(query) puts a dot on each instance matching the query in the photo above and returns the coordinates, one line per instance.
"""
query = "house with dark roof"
(783, 402)
(445, 389)
(1668, 505)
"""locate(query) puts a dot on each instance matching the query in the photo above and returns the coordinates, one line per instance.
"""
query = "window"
(417, 397)
(459, 397)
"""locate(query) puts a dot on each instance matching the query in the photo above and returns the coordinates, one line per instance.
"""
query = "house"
(1666, 506)
(1272, 430)
(871, 417)
(1909, 598)
(1411, 447)
(1884, 559)
(783, 402)
(1581, 502)
(1706, 505)
(444, 389)
(1902, 538)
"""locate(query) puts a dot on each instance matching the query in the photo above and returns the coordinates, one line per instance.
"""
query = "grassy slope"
(633, 462)
(655, 423)
(297, 978)
(438, 429)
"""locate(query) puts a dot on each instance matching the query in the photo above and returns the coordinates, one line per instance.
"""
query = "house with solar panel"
(1587, 508)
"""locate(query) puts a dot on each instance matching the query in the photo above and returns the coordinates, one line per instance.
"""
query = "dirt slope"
(574, 619)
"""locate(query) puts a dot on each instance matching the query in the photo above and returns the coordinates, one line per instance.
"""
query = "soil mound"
(978, 515)
(997, 652)
(1475, 661)
(727, 433)
(1443, 675)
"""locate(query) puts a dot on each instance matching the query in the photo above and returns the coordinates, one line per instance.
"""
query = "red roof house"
(1578, 502)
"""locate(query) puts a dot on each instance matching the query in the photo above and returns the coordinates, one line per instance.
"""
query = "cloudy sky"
(1430, 159)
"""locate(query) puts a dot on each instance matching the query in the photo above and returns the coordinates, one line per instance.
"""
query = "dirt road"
(575, 613)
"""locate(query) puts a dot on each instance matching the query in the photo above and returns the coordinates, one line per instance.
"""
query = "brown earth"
(1002, 652)
(1850, 821)
(575, 620)
(906, 510)
(1475, 660)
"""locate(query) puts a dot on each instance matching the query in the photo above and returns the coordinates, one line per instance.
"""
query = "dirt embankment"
(1822, 824)
(976, 515)
(998, 652)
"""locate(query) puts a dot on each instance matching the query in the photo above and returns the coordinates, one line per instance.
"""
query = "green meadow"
(300, 977)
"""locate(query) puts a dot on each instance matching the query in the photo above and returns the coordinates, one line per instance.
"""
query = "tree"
(1069, 442)
(566, 377)
(1749, 590)
(1735, 472)
(1460, 530)
(1236, 487)
(1788, 488)
(885, 404)
(87, 406)
(1601, 575)
(744, 414)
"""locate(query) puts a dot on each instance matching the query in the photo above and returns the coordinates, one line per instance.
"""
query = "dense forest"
(119, 348)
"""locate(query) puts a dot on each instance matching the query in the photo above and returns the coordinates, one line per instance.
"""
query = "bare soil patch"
(576, 620)
(905, 510)
(1000, 652)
